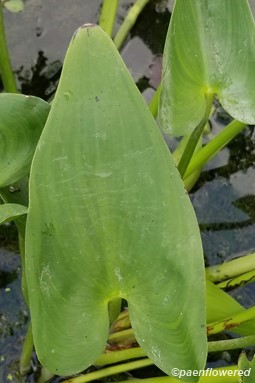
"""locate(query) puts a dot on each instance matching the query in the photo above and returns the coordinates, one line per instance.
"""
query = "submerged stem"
(5, 64)
(194, 137)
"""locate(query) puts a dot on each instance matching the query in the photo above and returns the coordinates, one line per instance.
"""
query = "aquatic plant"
(108, 216)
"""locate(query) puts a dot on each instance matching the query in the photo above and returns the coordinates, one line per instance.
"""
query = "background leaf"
(22, 119)
(10, 211)
(18, 194)
(248, 368)
(109, 217)
(14, 6)
(209, 49)
(220, 305)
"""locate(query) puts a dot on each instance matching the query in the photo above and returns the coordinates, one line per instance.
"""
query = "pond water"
(224, 197)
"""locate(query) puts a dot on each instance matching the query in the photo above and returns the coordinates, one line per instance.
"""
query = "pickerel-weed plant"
(108, 216)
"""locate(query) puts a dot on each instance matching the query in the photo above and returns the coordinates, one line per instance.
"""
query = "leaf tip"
(86, 26)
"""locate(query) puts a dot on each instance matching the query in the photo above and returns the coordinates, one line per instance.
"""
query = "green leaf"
(109, 217)
(209, 49)
(14, 6)
(11, 211)
(22, 119)
(17, 193)
(220, 305)
(246, 369)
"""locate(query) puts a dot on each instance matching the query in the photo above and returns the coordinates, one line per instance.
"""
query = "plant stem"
(114, 307)
(129, 21)
(239, 281)
(214, 146)
(26, 353)
(203, 379)
(108, 14)
(234, 321)
(21, 227)
(178, 152)
(120, 356)
(124, 335)
(194, 137)
(153, 106)
(137, 352)
(231, 269)
(231, 344)
(109, 371)
(45, 376)
(5, 65)
(121, 323)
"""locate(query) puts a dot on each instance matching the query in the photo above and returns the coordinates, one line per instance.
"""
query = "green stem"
(234, 321)
(203, 379)
(108, 14)
(122, 322)
(214, 146)
(45, 376)
(231, 269)
(124, 335)
(26, 353)
(129, 21)
(177, 154)
(137, 352)
(194, 137)
(110, 371)
(5, 64)
(231, 344)
(239, 281)
(21, 227)
(120, 356)
(114, 308)
(153, 106)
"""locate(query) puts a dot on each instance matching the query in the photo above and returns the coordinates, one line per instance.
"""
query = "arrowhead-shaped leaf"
(22, 119)
(209, 49)
(109, 217)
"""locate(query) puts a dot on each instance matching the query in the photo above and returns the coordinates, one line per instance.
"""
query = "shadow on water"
(42, 79)
(224, 197)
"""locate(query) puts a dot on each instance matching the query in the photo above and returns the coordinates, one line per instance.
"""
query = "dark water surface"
(224, 197)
